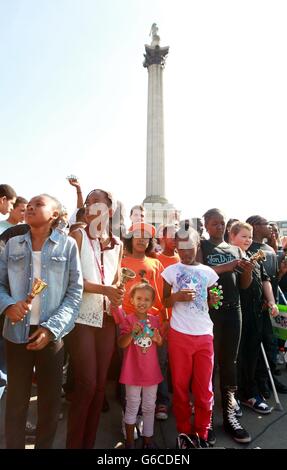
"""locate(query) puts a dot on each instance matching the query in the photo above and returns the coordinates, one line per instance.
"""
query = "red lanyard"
(100, 266)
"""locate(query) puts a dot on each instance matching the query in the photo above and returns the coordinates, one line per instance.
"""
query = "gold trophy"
(37, 287)
(258, 256)
(117, 312)
(126, 275)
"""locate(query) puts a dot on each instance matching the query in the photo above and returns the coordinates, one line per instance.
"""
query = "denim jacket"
(60, 269)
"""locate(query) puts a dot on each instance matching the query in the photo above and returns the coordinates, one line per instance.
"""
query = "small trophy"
(258, 256)
(72, 178)
(37, 287)
(117, 312)
(217, 290)
(126, 275)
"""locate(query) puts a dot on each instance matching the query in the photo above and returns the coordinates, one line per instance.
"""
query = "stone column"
(155, 172)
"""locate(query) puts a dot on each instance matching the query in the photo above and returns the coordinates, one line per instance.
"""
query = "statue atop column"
(154, 53)
(155, 37)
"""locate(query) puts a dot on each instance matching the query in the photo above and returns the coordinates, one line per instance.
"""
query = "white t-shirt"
(191, 318)
(35, 311)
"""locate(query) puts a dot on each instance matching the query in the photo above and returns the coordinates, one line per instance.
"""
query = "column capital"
(155, 55)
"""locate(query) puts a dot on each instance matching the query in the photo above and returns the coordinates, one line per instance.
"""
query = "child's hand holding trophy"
(117, 312)
(20, 309)
(73, 180)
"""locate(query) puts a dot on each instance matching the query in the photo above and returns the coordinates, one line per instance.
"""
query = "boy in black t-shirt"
(253, 318)
(226, 260)
(261, 231)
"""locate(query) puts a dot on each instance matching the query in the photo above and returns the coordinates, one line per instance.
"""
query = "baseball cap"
(143, 228)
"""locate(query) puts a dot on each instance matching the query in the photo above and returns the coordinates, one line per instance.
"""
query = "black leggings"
(249, 352)
(227, 332)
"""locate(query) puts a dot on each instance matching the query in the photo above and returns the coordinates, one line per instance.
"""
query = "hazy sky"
(73, 99)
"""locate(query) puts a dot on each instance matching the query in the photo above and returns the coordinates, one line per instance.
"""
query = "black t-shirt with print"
(214, 255)
(252, 298)
(270, 265)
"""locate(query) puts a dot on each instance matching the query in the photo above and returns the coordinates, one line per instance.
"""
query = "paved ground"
(268, 432)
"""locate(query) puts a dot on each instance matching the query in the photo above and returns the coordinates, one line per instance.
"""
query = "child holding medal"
(140, 369)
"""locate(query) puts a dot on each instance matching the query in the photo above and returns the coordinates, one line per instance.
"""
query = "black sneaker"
(204, 444)
(129, 445)
(211, 437)
(185, 441)
(150, 445)
(236, 431)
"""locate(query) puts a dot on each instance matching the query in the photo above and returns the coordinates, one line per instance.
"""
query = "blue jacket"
(60, 269)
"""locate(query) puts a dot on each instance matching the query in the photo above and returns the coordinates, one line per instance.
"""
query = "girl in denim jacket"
(33, 331)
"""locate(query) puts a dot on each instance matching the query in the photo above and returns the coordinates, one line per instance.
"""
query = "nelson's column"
(158, 210)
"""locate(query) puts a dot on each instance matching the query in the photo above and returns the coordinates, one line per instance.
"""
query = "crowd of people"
(172, 300)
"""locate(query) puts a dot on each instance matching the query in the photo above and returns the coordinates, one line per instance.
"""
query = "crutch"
(278, 405)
